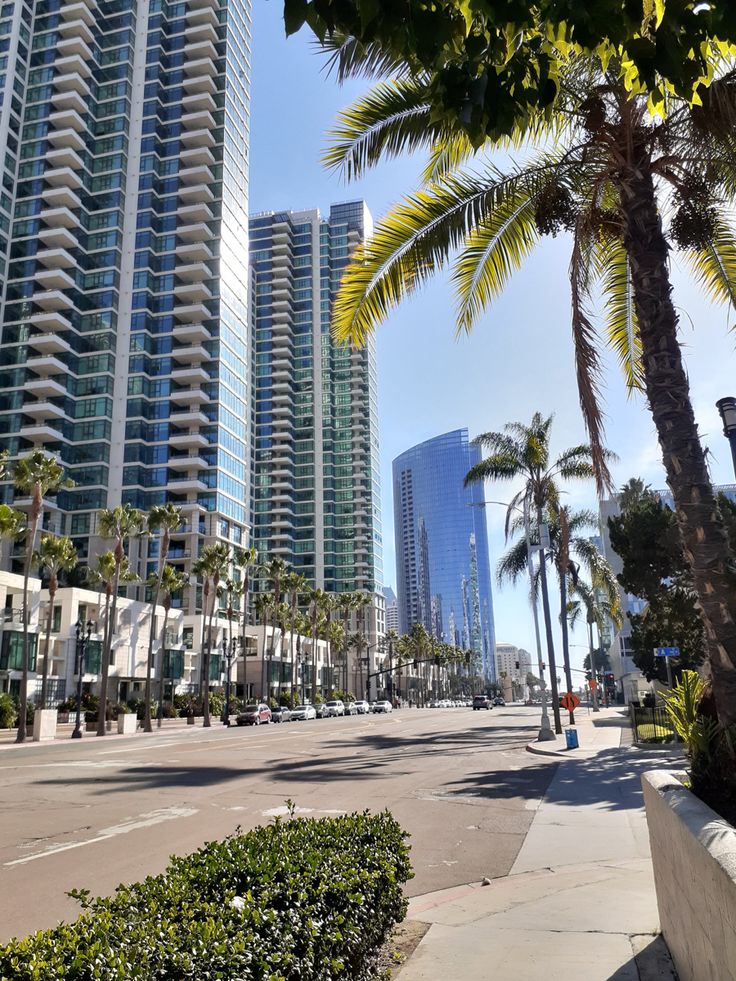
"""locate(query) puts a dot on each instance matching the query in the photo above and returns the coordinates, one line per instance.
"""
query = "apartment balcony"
(41, 433)
(201, 174)
(70, 46)
(43, 410)
(71, 82)
(185, 485)
(187, 441)
(202, 14)
(61, 197)
(194, 194)
(66, 137)
(188, 396)
(192, 312)
(191, 293)
(46, 364)
(77, 28)
(203, 31)
(54, 279)
(72, 12)
(200, 119)
(52, 301)
(193, 272)
(66, 119)
(188, 417)
(198, 102)
(57, 218)
(43, 388)
(64, 157)
(200, 50)
(190, 375)
(48, 345)
(198, 232)
(187, 463)
(197, 138)
(191, 333)
(202, 66)
(200, 83)
(194, 252)
(196, 156)
(55, 259)
(192, 354)
(70, 100)
(73, 64)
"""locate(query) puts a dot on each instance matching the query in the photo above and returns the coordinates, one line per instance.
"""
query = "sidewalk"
(64, 731)
(579, 904)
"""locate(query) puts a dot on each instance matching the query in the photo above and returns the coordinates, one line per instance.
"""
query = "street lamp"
(83, 633)
(228, 653)
(727, 409)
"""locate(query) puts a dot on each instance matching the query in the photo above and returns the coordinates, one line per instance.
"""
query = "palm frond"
(350, 58)
(447, 155)
(392, 118)
(622, 328)
(714, 267)
(512, 565)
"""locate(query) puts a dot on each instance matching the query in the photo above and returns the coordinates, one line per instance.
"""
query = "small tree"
(212, 566)
(170, 582)
(54, 555)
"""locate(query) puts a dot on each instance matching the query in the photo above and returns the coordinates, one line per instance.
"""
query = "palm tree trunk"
(565, 639)
(548, 632)
(703, 533)
(47, 654)
(203, 644)
(107, 646)
(314, 661)
(147, 727)
(34, 515)
(160, 671)
(206, 721)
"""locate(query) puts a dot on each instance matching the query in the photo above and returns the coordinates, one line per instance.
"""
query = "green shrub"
(217, 702)
(8, 711)
(317, 899)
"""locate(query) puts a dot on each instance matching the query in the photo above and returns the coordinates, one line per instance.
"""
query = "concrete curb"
(561, 753)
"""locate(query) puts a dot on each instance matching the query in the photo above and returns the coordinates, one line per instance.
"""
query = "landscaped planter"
(44, 724)
(694, 860)
(127, 723)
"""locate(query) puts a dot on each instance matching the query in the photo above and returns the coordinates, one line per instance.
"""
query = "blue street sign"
(666, 651)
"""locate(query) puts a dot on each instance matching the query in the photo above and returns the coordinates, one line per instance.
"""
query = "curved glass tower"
(442, 567)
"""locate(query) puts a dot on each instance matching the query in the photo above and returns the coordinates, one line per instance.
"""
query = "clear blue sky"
(519, 358)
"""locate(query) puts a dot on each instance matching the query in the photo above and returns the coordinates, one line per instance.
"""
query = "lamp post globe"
(727, 411)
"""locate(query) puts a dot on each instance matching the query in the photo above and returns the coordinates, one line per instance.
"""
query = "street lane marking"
(146, 820)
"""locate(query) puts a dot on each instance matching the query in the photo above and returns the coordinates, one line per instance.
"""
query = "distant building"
(392, 609)
(443, 573)
(513, 661)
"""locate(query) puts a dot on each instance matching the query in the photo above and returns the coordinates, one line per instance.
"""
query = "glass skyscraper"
(317, 484)
(442, 567)
(123, 253)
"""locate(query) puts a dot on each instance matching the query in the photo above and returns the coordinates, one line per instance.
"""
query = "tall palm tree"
(246, 560)
(361, 601)
(605, 167)
(211, 566)
(54, 555)
(522, 452)
(274, 572)
(161, 520)
(13, 525)
(391, 639)
(316, 599)
(103, 575)
(345, 604)
(263, 606)
(294, 584)
(36, 476)
(120, 523)
(599, 609)
(335, 636)
(170, 582)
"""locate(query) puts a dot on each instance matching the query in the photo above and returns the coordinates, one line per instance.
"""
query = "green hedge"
(317, 901)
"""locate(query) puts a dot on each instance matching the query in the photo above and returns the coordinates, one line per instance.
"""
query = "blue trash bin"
(571, 738)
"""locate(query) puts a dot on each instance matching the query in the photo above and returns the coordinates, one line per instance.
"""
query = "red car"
(254, 714)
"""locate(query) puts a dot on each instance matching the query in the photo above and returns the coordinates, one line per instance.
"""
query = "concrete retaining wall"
(694, 859)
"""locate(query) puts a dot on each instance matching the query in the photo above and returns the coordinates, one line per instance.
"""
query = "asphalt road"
(94, 813)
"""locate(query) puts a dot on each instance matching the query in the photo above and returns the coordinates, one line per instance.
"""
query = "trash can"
(571, 738)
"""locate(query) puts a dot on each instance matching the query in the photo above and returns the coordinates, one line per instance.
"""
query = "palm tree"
(522, 452)
(599, 609)
(246, 560)
(104, 576)
(263, 606)
(211, 566)
(293, 584)
(36, 476)
(335, 636)
(54, 555)
(170, 582)
(391, 639)
(120, 523)
(316, 599)
(162, 519)
(605, 167)
(13, 526)
(274, 572)
(345, 604)
(360, 603)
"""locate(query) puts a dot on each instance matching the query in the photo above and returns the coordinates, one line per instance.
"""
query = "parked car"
(481, 702)
(382, 705)
(281, 714)
(322, 711)
(335, 707)
(361, 707)
(499, 701)
(254, 714)
(302, 713)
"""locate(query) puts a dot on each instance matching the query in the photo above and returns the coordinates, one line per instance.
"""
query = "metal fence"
(652, 725)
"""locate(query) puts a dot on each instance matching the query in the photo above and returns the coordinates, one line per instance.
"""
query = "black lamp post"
(83, 634)
(727, 409)
(228, 652)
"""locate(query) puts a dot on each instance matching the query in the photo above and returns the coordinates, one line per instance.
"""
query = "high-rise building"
(392, 610)
(317, 485)
(443, 573)
(125, 344)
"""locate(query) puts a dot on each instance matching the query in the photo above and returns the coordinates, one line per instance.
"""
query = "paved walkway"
(579, 904)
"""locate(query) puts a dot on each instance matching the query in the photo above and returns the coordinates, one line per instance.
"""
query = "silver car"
(302, 713)
(335, 707)
(382, 705)
(361, 707)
